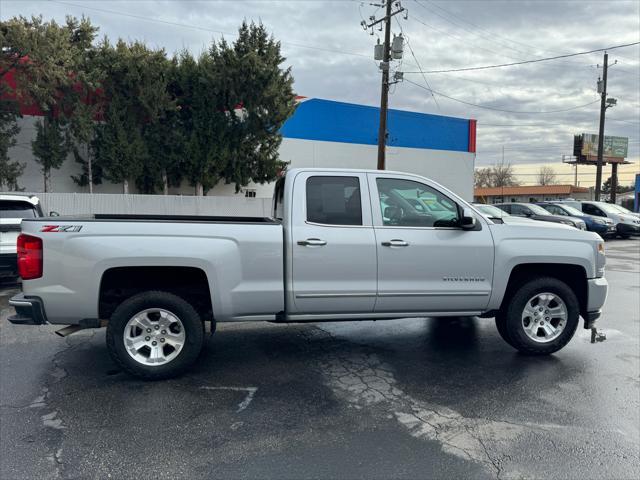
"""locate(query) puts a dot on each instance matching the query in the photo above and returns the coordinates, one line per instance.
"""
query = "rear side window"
(334, 200)
(14, 209)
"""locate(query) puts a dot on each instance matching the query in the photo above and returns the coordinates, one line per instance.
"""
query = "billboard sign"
(614, 147)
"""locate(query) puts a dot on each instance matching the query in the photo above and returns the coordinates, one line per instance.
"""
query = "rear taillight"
(29, 257)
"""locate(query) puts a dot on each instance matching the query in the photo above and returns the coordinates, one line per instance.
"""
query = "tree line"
(130, 113)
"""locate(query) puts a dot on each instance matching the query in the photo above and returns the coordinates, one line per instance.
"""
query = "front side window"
(407, 203)
(518, 210)
(592, 210)
(334, 200)
(555, 210)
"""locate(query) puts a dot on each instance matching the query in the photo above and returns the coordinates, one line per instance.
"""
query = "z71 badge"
(61, 228)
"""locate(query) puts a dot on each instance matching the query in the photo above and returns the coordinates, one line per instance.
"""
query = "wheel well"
(189, 283)
(574, 276)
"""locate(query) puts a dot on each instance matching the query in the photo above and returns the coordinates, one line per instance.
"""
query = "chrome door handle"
(312, 242)
(396, 242)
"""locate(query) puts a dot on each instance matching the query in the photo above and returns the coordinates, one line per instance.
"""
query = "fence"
(86, 204)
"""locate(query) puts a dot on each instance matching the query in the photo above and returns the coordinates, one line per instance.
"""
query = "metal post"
(384, 95)
(603, 108)
(614, 181)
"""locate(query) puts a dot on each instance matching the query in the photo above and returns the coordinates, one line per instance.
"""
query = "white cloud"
(459, 34)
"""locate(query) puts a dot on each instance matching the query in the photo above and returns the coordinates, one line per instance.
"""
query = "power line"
(485, 67)
(204, 29)
(501, 109)
(491, 34)
(424, 77)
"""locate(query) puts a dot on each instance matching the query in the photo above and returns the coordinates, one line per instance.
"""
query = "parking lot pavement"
(417, 398)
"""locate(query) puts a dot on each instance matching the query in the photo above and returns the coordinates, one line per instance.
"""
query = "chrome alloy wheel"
(544, 317)
(154, 337)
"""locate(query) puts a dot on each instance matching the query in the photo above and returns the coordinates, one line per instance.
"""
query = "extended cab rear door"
(426, 262)
(333, 250)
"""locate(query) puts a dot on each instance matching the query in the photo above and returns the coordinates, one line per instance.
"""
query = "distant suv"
(535, 212)
(13, 208)
(627, 224)
(601, 225)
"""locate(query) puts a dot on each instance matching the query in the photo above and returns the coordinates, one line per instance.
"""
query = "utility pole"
(603, 109)
(386, 57)
(384, 90)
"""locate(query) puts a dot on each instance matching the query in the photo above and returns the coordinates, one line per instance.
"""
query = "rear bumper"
(29, 310)
(8, 265)
(597, 289)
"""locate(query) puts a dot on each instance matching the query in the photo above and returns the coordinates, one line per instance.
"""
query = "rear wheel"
(155, 335)
(501, 325)
(541, 317)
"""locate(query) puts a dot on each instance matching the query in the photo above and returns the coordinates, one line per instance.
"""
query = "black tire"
(501, 325)
(513, 329)
(193, 334)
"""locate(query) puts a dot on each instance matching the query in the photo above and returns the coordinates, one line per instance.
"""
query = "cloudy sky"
(332, 57)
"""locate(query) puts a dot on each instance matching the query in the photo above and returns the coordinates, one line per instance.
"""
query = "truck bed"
(125, 217)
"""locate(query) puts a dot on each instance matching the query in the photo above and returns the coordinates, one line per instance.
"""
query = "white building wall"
(452, 169)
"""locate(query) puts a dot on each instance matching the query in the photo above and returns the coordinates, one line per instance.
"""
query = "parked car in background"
(624, 210)
(536, 212)
(601, 225)
(13, 208)
(500, 216)
(626, 224)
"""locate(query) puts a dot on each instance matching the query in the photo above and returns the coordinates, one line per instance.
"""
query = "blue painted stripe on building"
(326, 120)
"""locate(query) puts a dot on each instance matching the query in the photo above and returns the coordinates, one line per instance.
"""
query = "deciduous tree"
(546, 176)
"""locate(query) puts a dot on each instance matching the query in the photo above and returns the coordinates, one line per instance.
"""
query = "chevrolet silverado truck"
(340, 245)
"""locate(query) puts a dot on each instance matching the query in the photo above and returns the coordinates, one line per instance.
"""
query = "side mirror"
(53, 214)
(468, 220)
(528, 213)
(392, 212)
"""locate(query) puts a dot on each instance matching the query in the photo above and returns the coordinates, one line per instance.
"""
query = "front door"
(426, 262)
(333, 248)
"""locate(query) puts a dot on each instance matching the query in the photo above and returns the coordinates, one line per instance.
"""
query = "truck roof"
(346, 170)
(16, 197)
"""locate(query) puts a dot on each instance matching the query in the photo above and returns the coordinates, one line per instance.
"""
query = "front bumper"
(628, 229)
(603, 230)
(8, 265)
(29, 310)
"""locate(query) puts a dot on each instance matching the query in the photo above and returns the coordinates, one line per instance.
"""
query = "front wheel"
(541, 317)
(155, 335)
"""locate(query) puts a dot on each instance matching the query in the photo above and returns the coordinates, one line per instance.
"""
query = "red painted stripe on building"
(472, 135)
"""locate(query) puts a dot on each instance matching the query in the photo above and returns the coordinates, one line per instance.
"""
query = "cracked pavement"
(414, 398)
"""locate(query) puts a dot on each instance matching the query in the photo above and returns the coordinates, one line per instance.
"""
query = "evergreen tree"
(50, 66)
(9, 170)
(252, 84)
(136, 90)
(203, 123)
(50, 147)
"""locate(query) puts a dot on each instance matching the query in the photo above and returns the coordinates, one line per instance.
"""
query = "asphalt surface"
(416, 398)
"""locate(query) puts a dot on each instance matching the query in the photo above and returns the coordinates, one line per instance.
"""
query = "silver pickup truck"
(340, 245)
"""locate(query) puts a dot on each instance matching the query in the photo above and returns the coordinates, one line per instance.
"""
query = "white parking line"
(251, 391)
